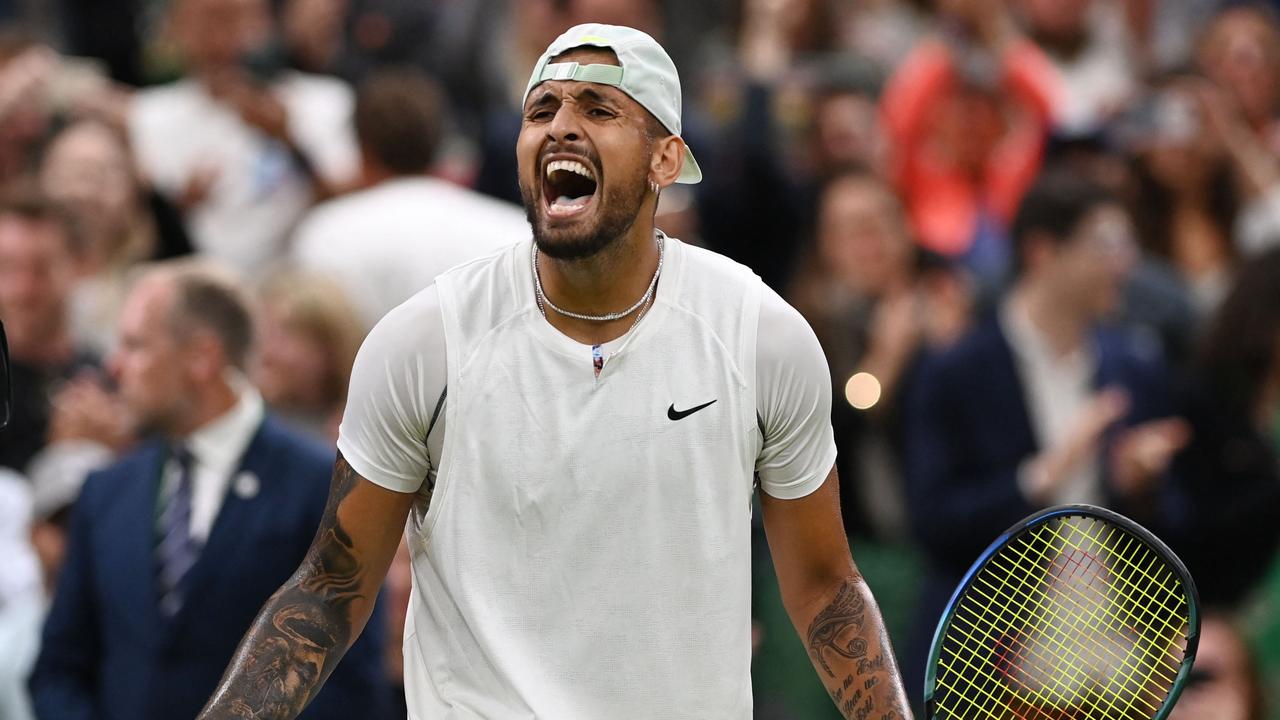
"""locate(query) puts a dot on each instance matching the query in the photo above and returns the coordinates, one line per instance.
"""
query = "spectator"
(387, 242)
(242, 145)
(751, 207)
(1231, 469)
(1089, 43)
(1156, 300)
(846, 125)
(1039, 405)
(51, 517)
(309, 338)
(87, 170)
(21, 596)
(877, 308)
(157, 587)
(27, 69)
(1224, 683)
(967, 115)
(1240, 53)
(39, 253)
(1186, 200)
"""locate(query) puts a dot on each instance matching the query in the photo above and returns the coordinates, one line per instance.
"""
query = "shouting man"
(574, 429)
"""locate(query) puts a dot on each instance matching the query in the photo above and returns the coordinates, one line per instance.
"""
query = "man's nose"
(564, 127)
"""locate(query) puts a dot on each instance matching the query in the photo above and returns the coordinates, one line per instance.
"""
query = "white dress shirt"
(217, 449)
(1056, 388)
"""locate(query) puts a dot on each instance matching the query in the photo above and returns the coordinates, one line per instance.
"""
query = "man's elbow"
(817, 585)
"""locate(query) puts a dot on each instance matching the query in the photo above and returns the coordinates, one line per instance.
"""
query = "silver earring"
(653, 185)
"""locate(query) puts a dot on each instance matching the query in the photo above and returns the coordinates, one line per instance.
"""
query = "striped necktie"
(177, 551)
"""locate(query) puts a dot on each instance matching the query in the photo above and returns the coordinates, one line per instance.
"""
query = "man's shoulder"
(169, 103)
(479, 274)
(424, 207)
(710, 285)
(976, 360)
(459, 214)
(1133, 357)
(702, 260)
(315, 86)
(315, 97)
(983, 341)
(139, 464)
(277, 440)
(1134, 345)
(413, 327)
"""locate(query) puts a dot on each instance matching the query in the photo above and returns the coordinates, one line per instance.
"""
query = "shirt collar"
(1030, 345)
(220, 443)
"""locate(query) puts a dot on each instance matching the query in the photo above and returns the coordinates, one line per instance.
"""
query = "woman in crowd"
(87, 170)
(876, 305)
(309, 336)
(1231, 470)
(1224, 684)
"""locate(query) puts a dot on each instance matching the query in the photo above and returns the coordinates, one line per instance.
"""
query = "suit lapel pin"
(246, 486)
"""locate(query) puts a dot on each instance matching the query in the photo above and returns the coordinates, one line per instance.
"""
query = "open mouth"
(568, 186)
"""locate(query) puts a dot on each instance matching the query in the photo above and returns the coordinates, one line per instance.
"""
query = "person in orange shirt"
(967, 115)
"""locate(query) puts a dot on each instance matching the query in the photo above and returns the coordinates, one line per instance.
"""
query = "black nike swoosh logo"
(675, 414)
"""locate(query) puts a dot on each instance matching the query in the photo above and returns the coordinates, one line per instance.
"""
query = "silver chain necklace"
(545, 302)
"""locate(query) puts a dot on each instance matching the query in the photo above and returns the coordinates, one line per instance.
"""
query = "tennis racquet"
(1075, 613)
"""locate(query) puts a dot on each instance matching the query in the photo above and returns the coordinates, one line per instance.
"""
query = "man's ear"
(207, 357)
(1038, 251)
(667, 160)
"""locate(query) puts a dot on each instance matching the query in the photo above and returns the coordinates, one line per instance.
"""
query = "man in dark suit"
(1040, 404)
(174, 548)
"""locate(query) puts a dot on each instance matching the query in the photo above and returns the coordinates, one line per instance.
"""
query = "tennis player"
(574, 428)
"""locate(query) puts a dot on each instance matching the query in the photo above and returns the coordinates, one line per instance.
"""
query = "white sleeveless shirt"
(581, 546)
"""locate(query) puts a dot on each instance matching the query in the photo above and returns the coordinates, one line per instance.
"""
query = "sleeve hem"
(369, 471)
(802, 488)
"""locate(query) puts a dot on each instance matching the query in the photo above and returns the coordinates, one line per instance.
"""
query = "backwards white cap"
(645, 72)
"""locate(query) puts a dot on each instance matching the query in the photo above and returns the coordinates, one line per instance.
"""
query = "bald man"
(173, 549)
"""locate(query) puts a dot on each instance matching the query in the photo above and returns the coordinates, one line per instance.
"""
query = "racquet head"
(1075, 613)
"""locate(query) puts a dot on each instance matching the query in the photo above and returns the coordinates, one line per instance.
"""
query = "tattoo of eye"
(831, 626)
(304, 629)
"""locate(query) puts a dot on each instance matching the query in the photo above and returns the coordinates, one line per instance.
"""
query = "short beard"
(618, 213)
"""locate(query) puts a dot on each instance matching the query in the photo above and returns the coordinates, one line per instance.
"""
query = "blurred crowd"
(1039, 241)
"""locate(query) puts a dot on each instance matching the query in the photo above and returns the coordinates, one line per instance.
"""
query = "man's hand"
(85, 410)
(255, 104)
(1143, 453)
(1046, 473)
(764, 47)
(198, 187)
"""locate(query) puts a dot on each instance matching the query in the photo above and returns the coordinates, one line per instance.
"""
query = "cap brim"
(690, 174)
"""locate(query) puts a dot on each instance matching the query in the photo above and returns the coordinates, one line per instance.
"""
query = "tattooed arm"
(831, 607)
(305, 628)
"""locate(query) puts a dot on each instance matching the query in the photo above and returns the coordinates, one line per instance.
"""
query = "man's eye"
(540, 115)
(599, 113)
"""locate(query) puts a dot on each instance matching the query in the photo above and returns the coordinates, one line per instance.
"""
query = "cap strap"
(603, 74)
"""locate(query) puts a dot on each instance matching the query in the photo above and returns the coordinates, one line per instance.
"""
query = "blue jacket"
(107, 651)
(968, 430)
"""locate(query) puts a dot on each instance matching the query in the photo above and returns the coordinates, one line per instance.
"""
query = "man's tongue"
(565, 205)
(571, 202)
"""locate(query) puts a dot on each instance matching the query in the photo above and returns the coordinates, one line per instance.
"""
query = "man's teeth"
(570, 165)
